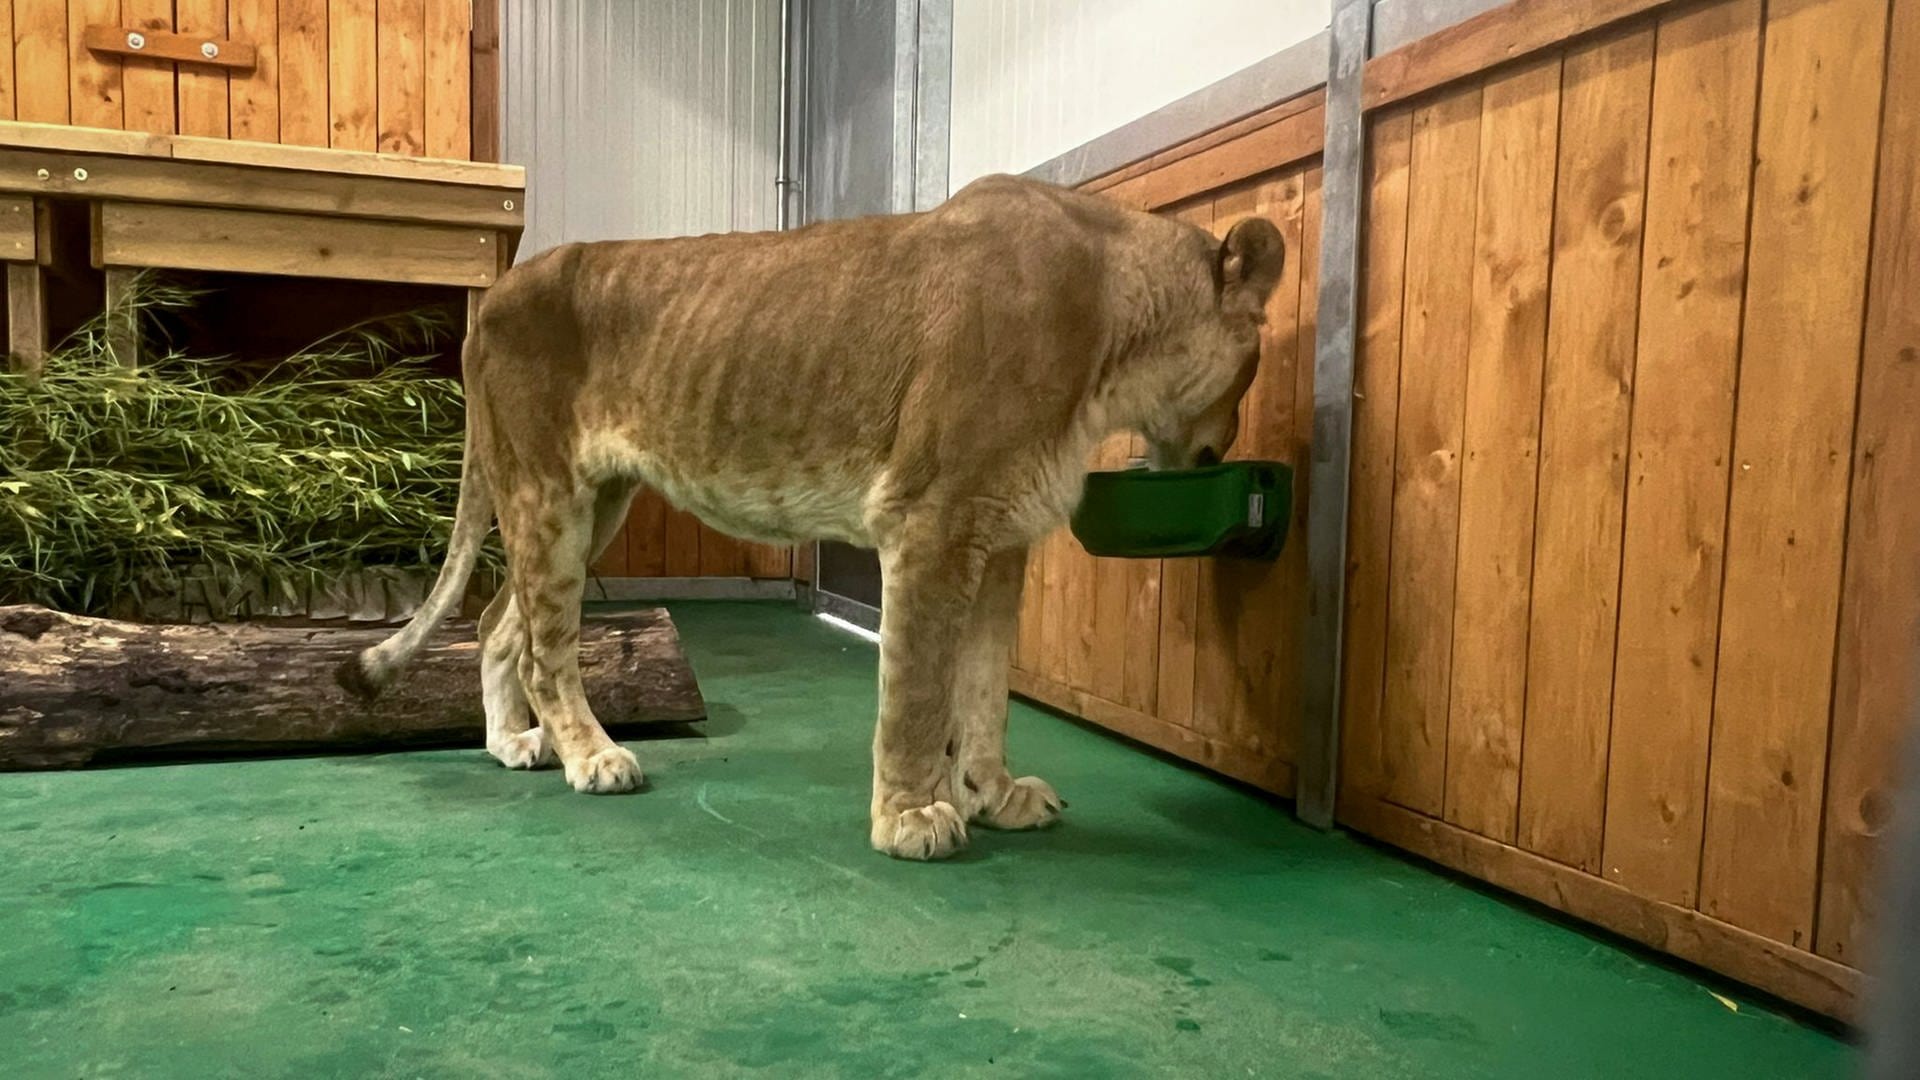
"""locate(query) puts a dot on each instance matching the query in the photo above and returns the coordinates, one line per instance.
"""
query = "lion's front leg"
(987, 792)
(929, 580)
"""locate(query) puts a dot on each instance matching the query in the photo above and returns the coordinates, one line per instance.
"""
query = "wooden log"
(77, 690)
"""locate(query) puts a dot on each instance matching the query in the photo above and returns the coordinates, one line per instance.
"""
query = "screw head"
(80, 174)
(136, 40)
(43, 174)
(507, 205)
(209, 50)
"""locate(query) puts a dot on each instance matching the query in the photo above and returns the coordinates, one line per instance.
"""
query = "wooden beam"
(298, 245)
(1510, 32)
(237, 185)
(1292, 139)
(486, 80)
(1226, 133)
(165, 45)
(1793, 974)
(27, 315)
(123, 323)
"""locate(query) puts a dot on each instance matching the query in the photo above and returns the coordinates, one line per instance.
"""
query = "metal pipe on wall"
(783, 179)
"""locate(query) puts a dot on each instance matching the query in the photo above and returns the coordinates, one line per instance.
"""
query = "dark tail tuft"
(352, 676)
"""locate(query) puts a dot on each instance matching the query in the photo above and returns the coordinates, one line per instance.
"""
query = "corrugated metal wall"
(1031, 81)
(640, 119)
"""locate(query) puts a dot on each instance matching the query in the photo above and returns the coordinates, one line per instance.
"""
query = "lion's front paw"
(527, 750)
(925, 832)
(1030, 803)
(607, 772)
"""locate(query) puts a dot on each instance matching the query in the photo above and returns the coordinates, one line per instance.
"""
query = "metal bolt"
(508, 205)
(483, 240)
(209, 50)
(80, 174)
(43, 174)
(136, 40)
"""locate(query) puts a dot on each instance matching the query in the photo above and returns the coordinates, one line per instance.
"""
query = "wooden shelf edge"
(1795, 975)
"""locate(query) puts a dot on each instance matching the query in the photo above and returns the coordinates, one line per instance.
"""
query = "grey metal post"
(1342, 164)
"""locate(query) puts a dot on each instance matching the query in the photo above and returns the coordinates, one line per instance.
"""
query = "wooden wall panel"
(402, 91)
(40, 61)
(146, 85)
(6, 61)
(305, 119)
(1375, 416)
(203, 101)
(253, 97)
(1506, 348)
(449, 74)
(1606, 97)
(353, 81)
(1692, 283)
(1876, 682)
(1793, 441)
(93, 81)
(1431, 417)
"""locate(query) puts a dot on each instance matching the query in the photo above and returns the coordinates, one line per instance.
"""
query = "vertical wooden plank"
(1054, 613)
(123, 323)
(1687, 352)
(1248, 610)
(40, 61)
(1606, 91)
(647, 534)
(202, 88)
(682, 543)
(485, 113)
(1111, 602)
(146, 84)
(449, 60)
(1519, 138)
(304, 35)
(254, 96)
(353, 67)
(1179, 591)
(27, 315)
(1792, 447)
(1426, 480)
(769, 562)
(93, 80)
(721, 555)
(6, 62)
(1874, 687)
(1140, 675)
(1375, 409)
(612, 560)
(401, 45)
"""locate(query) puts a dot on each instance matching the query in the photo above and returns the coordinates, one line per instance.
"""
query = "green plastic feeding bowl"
(1238, 509)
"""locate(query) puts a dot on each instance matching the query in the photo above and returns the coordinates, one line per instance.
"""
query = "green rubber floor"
(433, 915)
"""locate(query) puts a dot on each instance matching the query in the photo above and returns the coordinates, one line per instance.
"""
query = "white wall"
(1033, 79)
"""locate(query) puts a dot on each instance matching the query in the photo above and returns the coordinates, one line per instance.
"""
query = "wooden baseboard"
(1795, 975)
(1266, 773)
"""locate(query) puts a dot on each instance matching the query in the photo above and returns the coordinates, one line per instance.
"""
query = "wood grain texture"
(202, 89)
(146, 83)
(721, 555)
(1272, 114)
(1687, 353)
(646, 534)
(253, 96)
(7, 105)
(1506, 33)
(402, 48)
(40, 61)
(1111, 603)
(1375, 411)
(253, 242)
(1606, 95)
(485, 113)
(305, 119)
(99, 686)
(1793, 974)
(1026, 645)
(26, 315)
(449, 90)
(683, 532)
(353, 67)
(113, 44)
(1519, 133)
(1426, 507)
(769, 561)
(1875, 682)
(1793, 443)
(93, 80)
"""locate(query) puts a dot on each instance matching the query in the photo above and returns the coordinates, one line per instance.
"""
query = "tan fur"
(930, 385)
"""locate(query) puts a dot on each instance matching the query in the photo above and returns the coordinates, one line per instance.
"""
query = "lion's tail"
(371, 671)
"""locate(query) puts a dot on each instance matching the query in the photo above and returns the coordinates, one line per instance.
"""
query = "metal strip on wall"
(1330, 464)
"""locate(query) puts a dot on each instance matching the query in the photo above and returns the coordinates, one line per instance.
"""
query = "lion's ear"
(1251, 259)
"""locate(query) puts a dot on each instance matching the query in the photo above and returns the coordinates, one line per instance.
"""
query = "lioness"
(930, 385)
